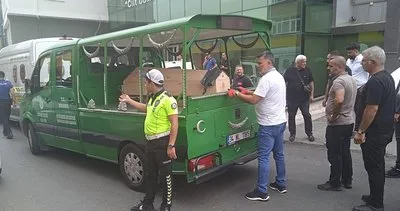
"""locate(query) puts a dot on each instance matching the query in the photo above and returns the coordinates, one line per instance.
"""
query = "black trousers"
(397, 130)
(158, 165)
(5, 111)
(373, 151)
(305, 111)
(338, 143)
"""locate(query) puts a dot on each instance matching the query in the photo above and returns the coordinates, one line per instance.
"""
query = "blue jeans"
(270, 138)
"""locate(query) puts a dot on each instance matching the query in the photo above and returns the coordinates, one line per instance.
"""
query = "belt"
(157, 136)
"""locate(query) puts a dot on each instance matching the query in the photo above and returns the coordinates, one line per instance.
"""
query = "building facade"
(24, 20)
(310, 27)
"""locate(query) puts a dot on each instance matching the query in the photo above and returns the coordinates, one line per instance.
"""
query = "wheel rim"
(30, 138)
(133, 166)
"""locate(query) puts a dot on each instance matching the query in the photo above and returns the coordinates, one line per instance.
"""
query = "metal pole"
(105, 76)
(140, 69)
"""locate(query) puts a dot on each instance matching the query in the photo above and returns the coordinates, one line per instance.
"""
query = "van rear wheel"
(33, 141)
(132, 167)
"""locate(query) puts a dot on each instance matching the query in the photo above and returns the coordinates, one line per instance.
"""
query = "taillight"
(202, 163)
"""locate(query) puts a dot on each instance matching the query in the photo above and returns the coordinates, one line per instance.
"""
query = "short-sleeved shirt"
(270, 109)
(380, 90)
(346, 113)
(5, 87)
(210, 64)
(159, 107)
(242, 81)
(295, 90)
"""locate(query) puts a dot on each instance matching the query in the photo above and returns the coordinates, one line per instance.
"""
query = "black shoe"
(10, 136)
(367, 207)
(257, 195)
(328, 187)
(365, 198)
(393, 173)
(347, 185)
(143, 207)
(275, 186)
(164, 207)
(311, 138)
(292, 138)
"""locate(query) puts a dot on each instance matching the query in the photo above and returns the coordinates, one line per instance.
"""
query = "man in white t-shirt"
(269, 99)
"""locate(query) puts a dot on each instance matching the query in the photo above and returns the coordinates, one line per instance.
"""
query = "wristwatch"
(171, 146)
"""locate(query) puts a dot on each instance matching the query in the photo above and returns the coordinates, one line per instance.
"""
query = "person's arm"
(139, 106)
(249, 98)
(215, 64)
(172, 111)
(397, 108)
(373, 95)
(311, 84)
(326, 94)
(338, 102)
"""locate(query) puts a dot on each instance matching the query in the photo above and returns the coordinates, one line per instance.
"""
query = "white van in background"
(17, 62)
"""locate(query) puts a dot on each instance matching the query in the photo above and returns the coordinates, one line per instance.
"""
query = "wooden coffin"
(173, 82)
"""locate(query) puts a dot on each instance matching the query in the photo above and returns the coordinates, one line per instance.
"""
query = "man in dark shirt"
(224, 63)
(297, 77)
(376, 127)
(241, 80)
(5, 104)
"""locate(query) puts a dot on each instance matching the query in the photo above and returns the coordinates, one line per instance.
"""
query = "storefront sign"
(135, 3)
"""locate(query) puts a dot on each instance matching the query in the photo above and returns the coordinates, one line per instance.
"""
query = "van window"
(41, 74)
(22, 73)
(63, 69)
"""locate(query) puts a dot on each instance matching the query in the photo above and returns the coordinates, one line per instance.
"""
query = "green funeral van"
(72, 96)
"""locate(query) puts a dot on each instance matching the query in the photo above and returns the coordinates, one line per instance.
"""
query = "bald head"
(337, 65)
(339, 61)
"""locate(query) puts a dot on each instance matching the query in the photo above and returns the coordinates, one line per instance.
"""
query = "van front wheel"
(132, 167)
(33, 141)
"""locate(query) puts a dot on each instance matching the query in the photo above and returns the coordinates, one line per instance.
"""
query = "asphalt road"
(61, 180)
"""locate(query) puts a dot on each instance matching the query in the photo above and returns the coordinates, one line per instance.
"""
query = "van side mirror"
(35, 84)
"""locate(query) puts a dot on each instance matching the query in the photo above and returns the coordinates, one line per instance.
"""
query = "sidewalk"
(319, 126)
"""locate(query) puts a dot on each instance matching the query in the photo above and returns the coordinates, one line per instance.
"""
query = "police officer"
(161, 129)
(5, 104)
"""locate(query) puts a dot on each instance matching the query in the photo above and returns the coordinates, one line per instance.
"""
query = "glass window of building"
(192, 7)
(177, 9)
(254, 4)
(163, 10)
(257, 13)
(230, 6)
(211, 7)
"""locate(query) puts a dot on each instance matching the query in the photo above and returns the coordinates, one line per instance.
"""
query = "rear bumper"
(211, 173)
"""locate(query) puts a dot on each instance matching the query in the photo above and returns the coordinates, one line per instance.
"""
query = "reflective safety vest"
(159, 107)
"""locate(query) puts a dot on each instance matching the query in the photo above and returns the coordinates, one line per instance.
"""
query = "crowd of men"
(360, 103)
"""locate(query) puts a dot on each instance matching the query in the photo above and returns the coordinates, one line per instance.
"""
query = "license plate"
(231, 139)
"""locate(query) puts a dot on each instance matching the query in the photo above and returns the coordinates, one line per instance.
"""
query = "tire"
(33, 141)
(132, 166)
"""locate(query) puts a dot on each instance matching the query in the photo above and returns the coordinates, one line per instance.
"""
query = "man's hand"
(396, 117)
(171, 153)
(124, 98)
(311, 98)
(244, 90)
(231, 93)
(324, 103)
(359, 138)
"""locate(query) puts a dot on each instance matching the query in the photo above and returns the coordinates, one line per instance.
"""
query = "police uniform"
(5, 106)
(157, 129)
